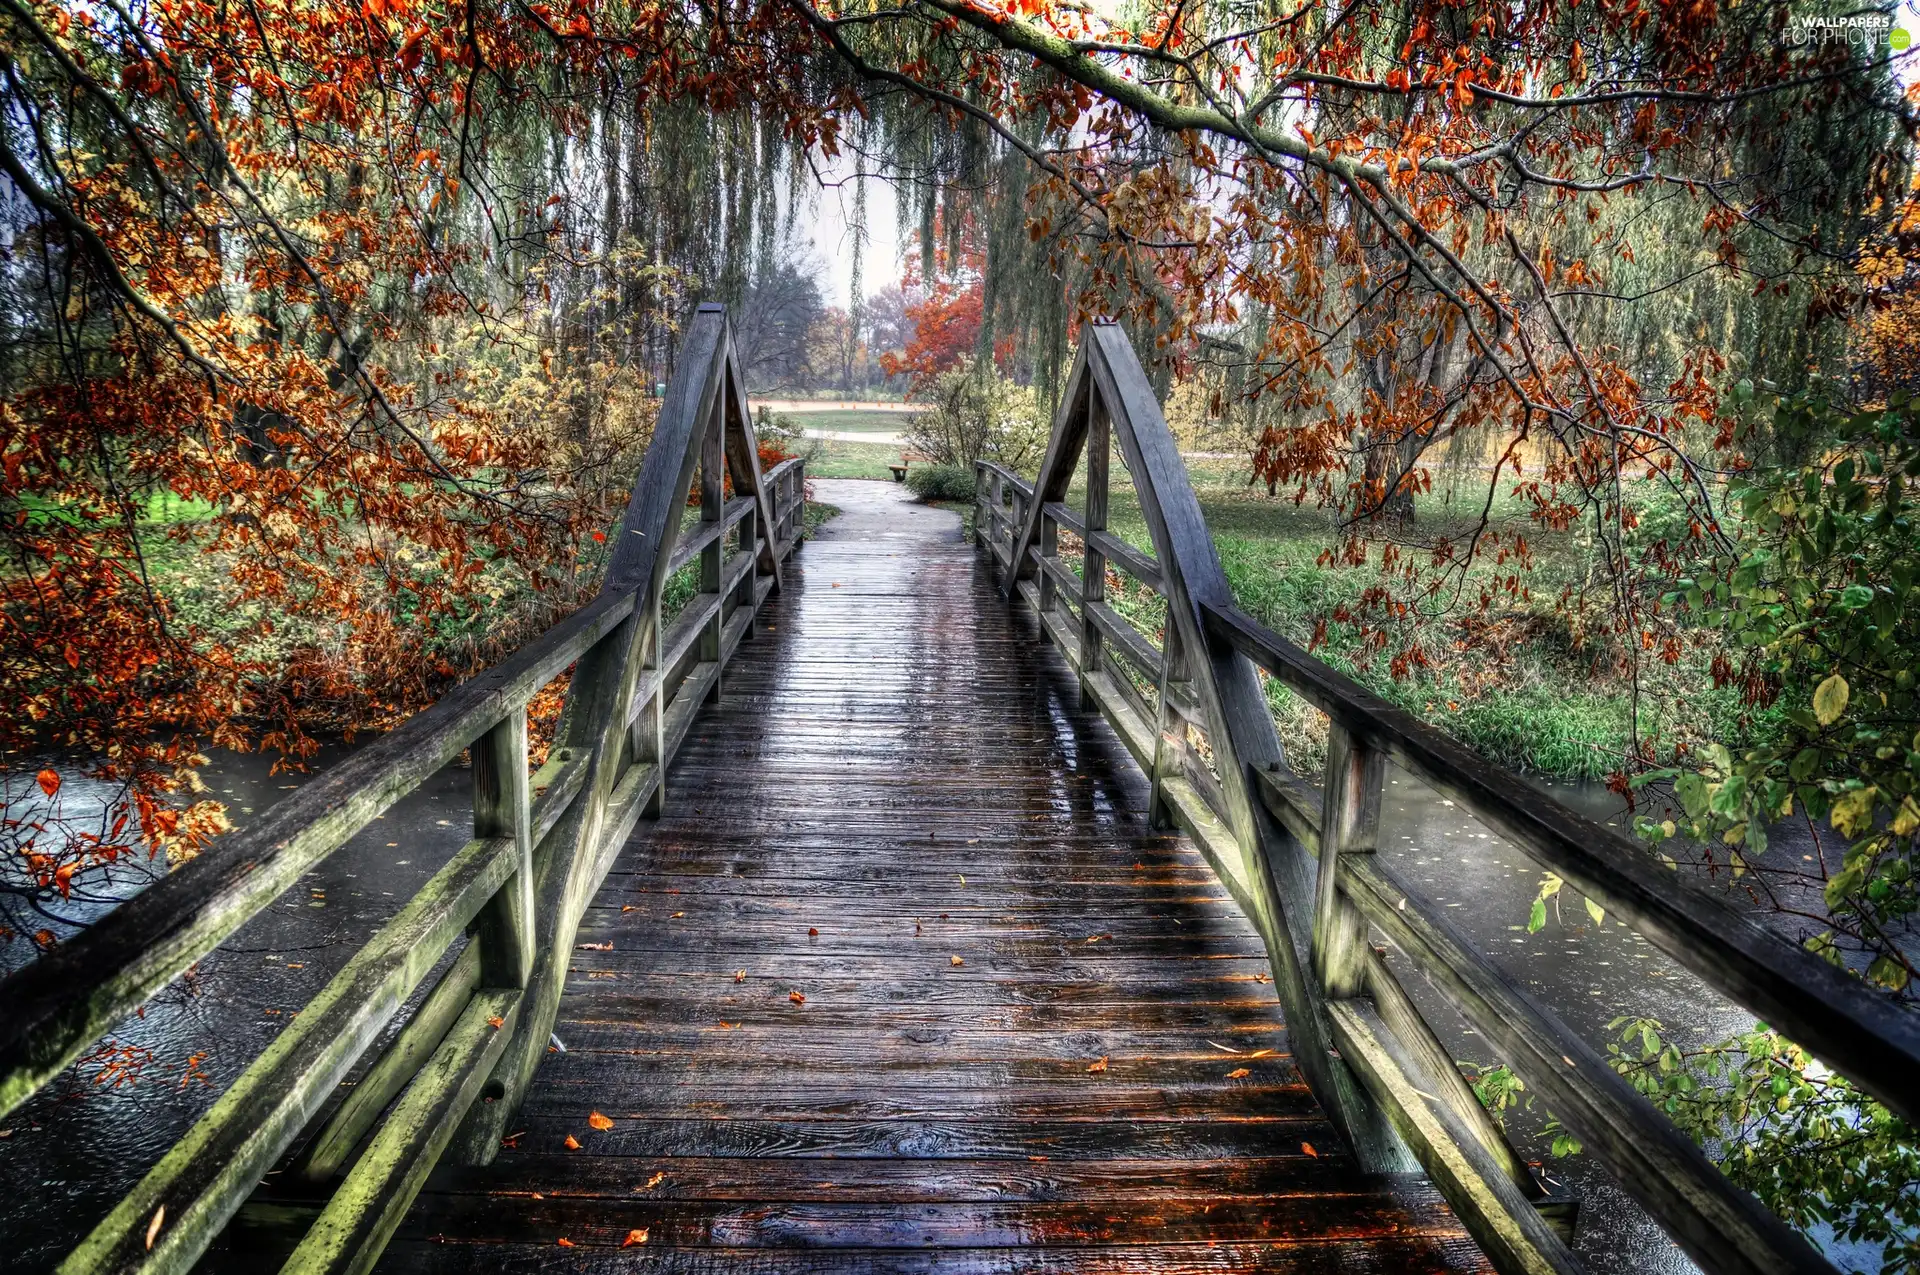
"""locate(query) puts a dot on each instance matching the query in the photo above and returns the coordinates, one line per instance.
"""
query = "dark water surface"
(71, 1152)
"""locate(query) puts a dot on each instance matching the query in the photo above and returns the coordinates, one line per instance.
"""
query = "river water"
(74, 1149)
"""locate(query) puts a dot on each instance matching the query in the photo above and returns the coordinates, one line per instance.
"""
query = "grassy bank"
(1522, 687)
(835, 459)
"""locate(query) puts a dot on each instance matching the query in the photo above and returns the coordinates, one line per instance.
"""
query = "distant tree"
(773, 328)
(888, 327)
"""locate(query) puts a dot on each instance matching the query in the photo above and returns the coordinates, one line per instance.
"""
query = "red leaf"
(49, 782)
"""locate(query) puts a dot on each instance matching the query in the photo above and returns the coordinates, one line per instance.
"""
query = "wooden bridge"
(899, 905)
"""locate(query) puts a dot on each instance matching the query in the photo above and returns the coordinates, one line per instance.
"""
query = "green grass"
(853, 422)
(851, 460)
(1532, 701)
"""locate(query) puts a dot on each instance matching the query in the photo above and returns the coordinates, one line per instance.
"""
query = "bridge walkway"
(902, 980)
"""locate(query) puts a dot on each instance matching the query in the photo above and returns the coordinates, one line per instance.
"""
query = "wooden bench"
(906, 459)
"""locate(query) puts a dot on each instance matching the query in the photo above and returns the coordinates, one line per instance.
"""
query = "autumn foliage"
(300, 268)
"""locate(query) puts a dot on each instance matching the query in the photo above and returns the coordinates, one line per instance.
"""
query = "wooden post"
(1049, 547)
(646, 742)
(1093, 571)
(503, 807)
(1349, 824)
(713, 509)
(748, 541)
(979, 505)
(1167, 755)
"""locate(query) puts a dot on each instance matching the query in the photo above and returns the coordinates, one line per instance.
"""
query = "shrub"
(942, 482)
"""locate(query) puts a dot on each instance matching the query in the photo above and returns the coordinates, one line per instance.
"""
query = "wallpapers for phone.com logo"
(1869, 31)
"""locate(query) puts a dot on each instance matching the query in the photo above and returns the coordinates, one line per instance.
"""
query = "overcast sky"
(830, 228)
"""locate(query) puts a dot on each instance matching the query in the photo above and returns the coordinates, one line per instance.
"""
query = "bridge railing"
(1301, 862)
(542, 843)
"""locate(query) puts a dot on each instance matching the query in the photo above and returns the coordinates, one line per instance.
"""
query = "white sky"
(829, 225)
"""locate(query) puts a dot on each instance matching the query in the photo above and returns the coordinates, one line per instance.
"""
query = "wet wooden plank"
(898, 777)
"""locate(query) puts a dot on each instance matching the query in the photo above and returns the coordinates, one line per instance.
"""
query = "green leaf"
(1537, 918)
(1598, 913)
(1830, 699)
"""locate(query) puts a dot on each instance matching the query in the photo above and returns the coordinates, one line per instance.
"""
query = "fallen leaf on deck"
(600, 1122)
(655, 1181)
(153, 1227)
(739, 976)
(1308, 1148)
(1101, 1065)
(572, 1143)
(1260, 1053)
(496, 1022)
(727, 1025)
(812, 933)
(1239, 1073)
(626, 907)
(796, 998)
(638, 1235)
(676, 916)
(564, 1242)
(956, 960)
(1223, 1048)
(596, 947)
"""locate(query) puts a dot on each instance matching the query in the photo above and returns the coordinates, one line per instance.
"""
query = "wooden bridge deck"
(1029, 1021)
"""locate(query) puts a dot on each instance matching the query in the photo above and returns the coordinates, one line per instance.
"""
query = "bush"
(942, 482)
(972, 411)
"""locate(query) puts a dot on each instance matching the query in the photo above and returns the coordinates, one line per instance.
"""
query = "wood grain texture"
(897, 776)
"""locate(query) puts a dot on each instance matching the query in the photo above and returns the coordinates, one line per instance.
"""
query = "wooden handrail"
(1855, 1029)
(542, 844)
(1300, 861)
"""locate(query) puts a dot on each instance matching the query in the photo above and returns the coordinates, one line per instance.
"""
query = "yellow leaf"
(1239, 1073)
(153, 1227)
(1906, 819)
(1101, 1065)
(1830, 699)
(956, 960)
(600, 1122)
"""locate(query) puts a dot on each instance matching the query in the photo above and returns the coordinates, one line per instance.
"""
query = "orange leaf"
(1239, 1072)
(573, 1143)
(1101, 1065)
(496, 1022)
(956, 960)
(564, 1242)
(1308, 1148)
(159, 1214)
(796, 998)
(676, 916)
(600, 1122)
(638, 1235)
(49, 781)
